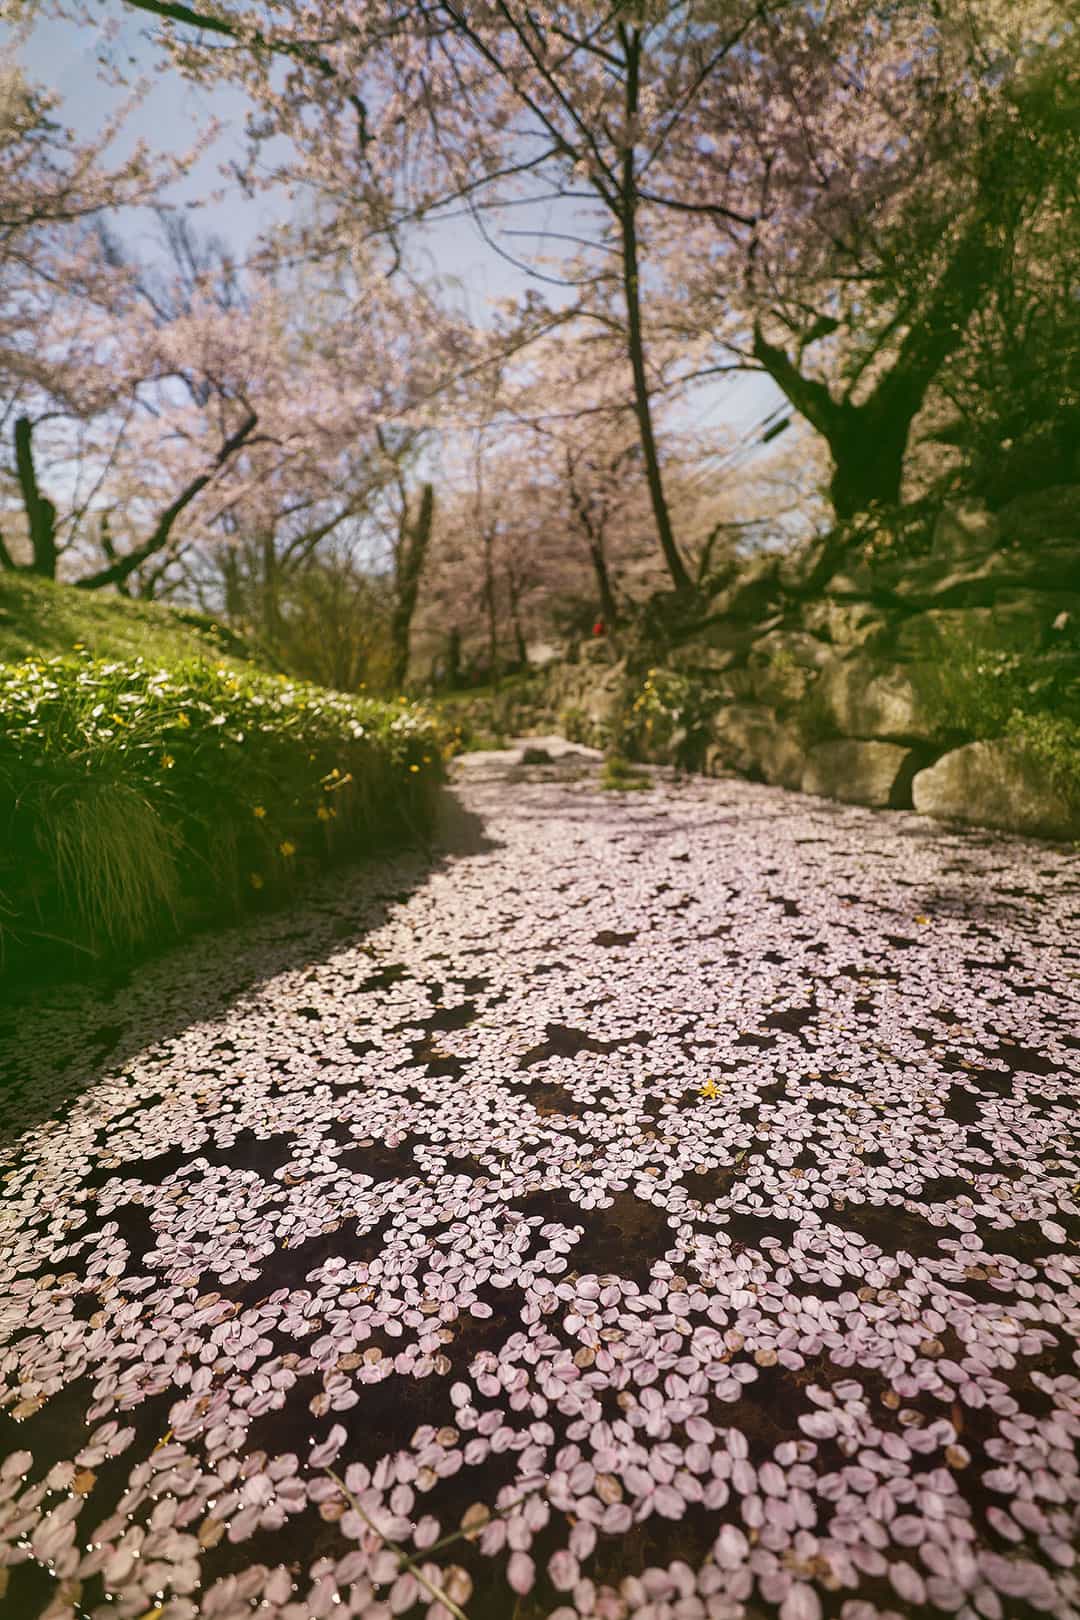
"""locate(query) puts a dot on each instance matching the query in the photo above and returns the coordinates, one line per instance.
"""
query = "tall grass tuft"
(115, 862)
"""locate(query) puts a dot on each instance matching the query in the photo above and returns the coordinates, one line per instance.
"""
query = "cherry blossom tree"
(397, 114)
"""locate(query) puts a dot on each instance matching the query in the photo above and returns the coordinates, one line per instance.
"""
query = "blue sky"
(64, 57)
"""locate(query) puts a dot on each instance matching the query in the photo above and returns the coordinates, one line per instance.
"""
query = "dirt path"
(681, 1187)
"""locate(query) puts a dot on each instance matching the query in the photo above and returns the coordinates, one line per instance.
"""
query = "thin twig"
(404, 1559)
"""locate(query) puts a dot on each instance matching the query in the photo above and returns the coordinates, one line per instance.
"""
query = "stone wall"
(824, 681)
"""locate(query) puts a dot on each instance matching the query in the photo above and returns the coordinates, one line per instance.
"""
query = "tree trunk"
(868, 464)
(271, 604)
(627, 216)
(453, 658)
(40, 511)
(609, 611)
(412, 554)
(492, 610)
(515, 619)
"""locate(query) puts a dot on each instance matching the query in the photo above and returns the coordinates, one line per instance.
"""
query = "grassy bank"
(40, 619)
(141, 796)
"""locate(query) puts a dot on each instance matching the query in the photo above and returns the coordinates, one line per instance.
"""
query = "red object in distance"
(598, 628)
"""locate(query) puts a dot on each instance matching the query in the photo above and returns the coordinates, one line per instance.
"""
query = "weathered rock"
(699, 656)
(750, 594)
(864, 700)
(871, 773)
(752, 740)
(737, 685)
(995, 784)
(783, 665)
(847, 625)
(965, 529)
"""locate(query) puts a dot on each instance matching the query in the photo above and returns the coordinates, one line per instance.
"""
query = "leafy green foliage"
(134, 798)
(1053, 740)
(667, 718)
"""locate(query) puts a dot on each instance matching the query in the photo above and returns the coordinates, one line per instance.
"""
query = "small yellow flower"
(167, 762)
(183, 720)
(79, 646)
(256, 880)
(324, 813)
(119, 719)
(403, 700)
(710, 1089)
(259, 812)
(922, 919)
(414, 767)
(287, 848)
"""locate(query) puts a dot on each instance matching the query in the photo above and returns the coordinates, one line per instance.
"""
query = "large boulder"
(846, 625)
(872, 773)
(750, 739)
(965, 529)
(995, 784)
(867, 700)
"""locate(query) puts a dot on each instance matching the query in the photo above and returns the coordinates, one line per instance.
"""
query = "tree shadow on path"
(58, 1042)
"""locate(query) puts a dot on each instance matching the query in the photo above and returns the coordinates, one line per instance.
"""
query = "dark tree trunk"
(609, 611)
(40, 511)
(412, 554)
(868, 464)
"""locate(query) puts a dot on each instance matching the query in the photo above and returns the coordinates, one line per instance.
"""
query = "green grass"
(140, 798)
(41, 619)
(619, 776)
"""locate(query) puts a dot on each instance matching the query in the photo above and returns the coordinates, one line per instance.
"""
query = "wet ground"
(660, 1204)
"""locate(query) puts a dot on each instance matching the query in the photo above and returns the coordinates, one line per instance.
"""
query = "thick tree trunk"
(40, 511)
(868, 465)
(412, 554)
(868, 442)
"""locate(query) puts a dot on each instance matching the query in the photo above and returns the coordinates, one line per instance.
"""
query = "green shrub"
(971, 693)
(1054, 742)
(135, 799)
(666, 719)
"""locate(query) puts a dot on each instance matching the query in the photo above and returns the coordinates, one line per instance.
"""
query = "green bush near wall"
(137, 800)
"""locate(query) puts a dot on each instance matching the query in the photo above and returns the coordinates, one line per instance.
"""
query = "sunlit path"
(675, 1190)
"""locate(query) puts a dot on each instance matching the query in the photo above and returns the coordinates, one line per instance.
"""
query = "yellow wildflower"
(79, 646)
(287, 848)
(256, 880)
(167, 762)
(414, 767)
(324, 813)
(710, 1089)
(183, 720)
(259, 812)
